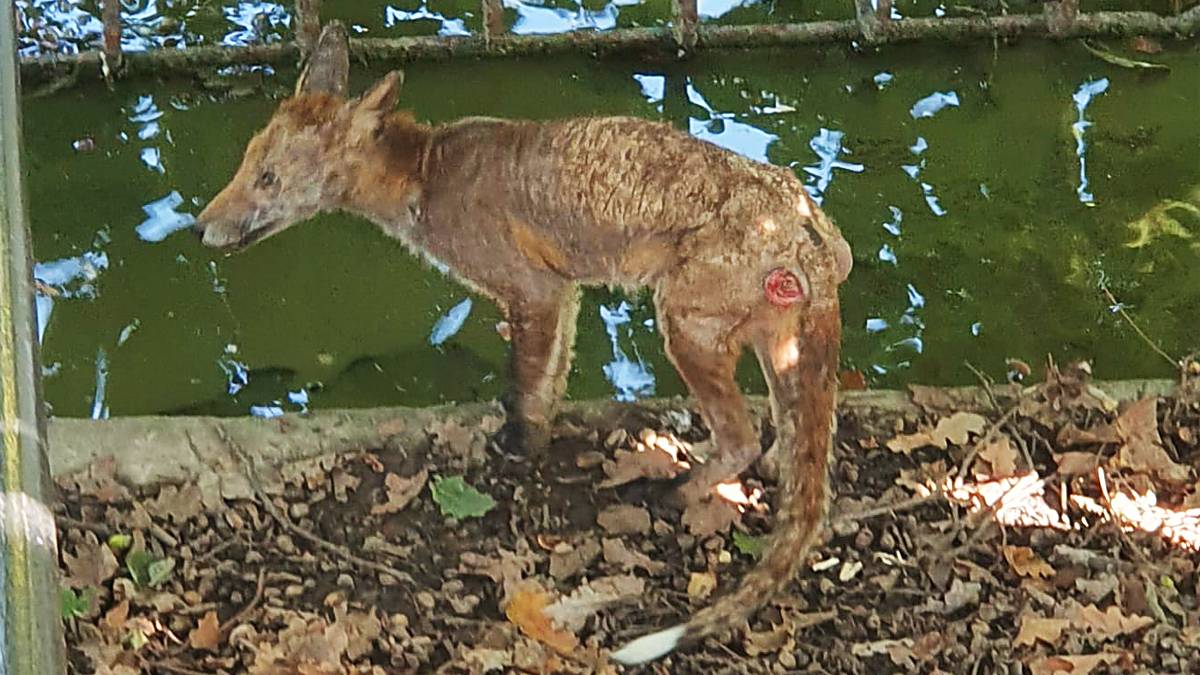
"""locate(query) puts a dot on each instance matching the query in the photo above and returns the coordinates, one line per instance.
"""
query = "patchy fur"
(737, 254)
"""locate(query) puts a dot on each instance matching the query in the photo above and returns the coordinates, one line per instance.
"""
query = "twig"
(282, 518)
(896, 507)
(986, 438)
(1116, 306)
(233, 621)
(67, 521)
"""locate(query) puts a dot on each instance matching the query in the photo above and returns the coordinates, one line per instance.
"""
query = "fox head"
(300, 164)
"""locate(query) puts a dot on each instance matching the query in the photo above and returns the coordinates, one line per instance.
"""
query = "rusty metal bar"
(187, 61)
(308, 24)
(31, 640)
(493, 20)
(686, 22)
(110, 16)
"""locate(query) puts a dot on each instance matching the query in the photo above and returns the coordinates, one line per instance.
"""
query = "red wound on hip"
(782, 288)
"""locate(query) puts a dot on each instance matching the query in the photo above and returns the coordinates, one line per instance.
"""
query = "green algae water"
(989, 196)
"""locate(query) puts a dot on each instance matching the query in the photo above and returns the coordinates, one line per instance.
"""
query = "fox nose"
(198, 228)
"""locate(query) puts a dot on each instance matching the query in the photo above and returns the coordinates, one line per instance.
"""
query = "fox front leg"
(543, 338)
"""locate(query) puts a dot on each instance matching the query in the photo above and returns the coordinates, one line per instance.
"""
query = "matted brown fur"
(525, 212)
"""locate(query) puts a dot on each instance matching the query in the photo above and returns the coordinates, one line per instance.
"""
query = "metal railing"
(32, 642)
(873, 24)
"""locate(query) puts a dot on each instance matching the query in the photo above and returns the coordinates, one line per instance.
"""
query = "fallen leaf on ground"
(207, 634)
(458, 500)
(526, 611)
(401, 491)
(571, 612)
(114, 619)
(1026, 563)
(1000, 455)
(710, 516)
(624, 519)
(768, 642)
(177, 504)
(953, 430)
(92, 564)
(1106, 624)
(701, 585)
(574, 560)
(1077, 463)
(617, 553)
(652, 463)
(1034, 628)
(962, 594)
(1137, 426)
(1075, 665)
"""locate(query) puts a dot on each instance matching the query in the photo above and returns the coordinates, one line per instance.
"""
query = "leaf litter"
(549, 560)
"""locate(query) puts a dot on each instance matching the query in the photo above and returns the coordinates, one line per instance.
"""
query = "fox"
(736, 252)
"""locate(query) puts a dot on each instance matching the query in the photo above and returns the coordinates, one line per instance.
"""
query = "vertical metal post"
(687, 18)
(31, 640)
(110, 16)
(493, 20)
(308, 24)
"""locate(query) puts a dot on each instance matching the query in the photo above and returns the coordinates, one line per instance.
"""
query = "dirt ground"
(1050, 531)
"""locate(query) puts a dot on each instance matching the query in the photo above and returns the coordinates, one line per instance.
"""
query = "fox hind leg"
(705, 352)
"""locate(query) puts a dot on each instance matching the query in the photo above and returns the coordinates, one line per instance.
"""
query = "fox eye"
(267, 179)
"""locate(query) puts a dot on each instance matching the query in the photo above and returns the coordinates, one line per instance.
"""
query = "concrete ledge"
(149, 451)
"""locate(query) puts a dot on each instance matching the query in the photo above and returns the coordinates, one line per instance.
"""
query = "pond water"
(988, 195)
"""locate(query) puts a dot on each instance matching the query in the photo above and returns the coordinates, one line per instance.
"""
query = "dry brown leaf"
(961, 594)
(1137, 426)
(1077, 463)
(92, 564)
(617, 553)
(710, 516)
(624, 519)
(401, 491)
(1074, 665)
(207, 634)
(573, 560)
(1026, 563)
(485, 660)
(701, 585)
(1034, 628)
(768, 642)
(571, 612)
(178, 504)
(953, 430)
(652, 463)
(1108, 624)
(114, 619)
(99, 481)
(1001, 456)
(526, 611)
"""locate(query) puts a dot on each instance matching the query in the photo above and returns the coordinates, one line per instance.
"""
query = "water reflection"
(162, 218)
(827, 144)
(534, 18)
(450, 323)
(1082, 97)
(73, 277)
(446, 25)
(630, 377)
(99, 407)
(255, 23)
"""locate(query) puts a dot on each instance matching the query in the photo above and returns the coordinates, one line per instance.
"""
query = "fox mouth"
(248, 237)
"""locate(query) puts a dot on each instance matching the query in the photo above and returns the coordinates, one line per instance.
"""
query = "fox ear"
(328, 67)
(382, 97)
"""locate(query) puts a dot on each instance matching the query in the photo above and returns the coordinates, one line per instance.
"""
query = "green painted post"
(31, 640)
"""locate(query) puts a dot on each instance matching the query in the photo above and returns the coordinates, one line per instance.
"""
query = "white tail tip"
(650, 647)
